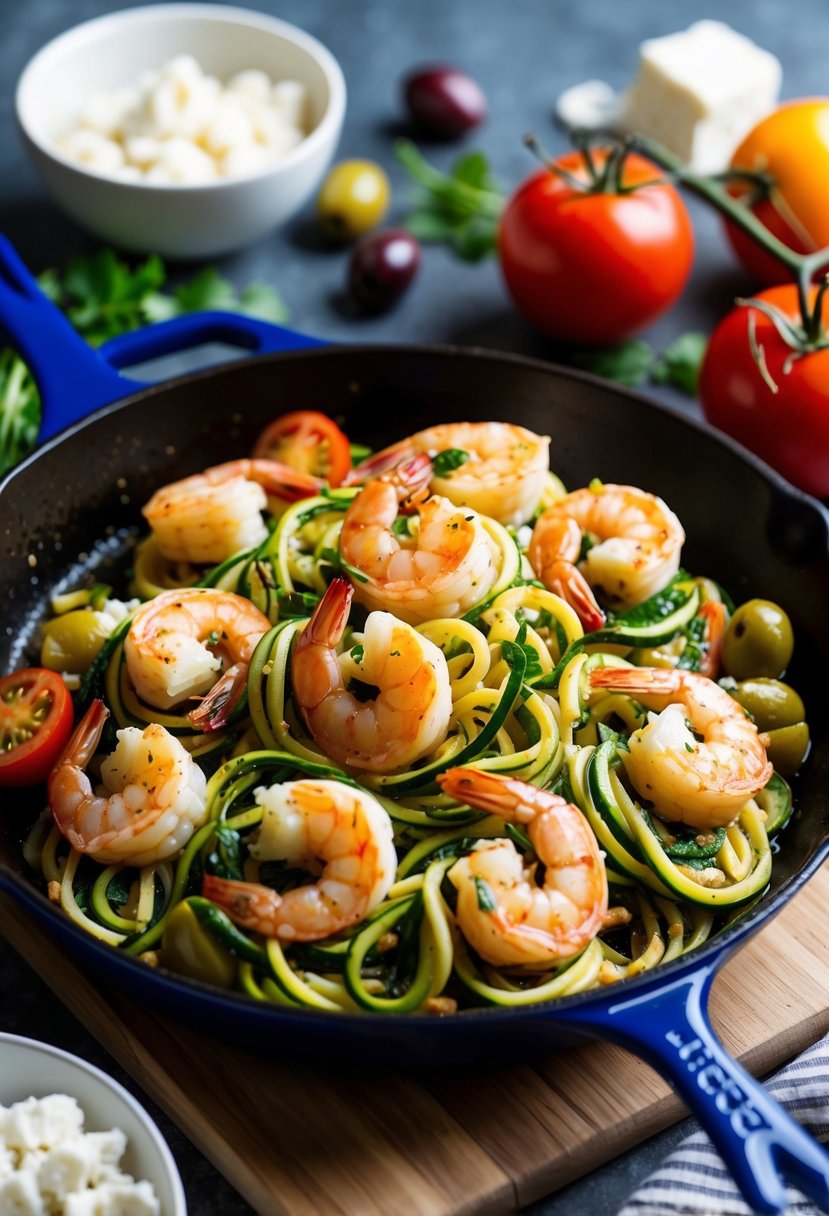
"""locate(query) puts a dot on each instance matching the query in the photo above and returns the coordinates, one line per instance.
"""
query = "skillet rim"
(709, 956)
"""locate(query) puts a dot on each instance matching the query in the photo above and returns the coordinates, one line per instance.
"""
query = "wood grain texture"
(296, 1142)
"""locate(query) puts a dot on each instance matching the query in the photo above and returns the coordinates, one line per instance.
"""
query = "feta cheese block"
(700, 91)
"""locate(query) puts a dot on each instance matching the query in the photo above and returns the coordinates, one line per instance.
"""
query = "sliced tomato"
(308, 441)
(36, 719)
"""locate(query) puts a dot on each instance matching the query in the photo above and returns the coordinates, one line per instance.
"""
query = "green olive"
(771, 703)
(71, 641)
(354, 199)
(191, 949)
(787, 747)
(759, 641)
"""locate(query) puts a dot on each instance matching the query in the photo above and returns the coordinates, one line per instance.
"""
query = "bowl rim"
(159, 1143)
(326, 130)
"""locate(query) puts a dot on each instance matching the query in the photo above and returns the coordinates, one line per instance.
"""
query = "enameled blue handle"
(74, 379)
(759, 1141)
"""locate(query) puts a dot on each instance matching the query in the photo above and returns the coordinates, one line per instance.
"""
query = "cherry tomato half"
(595, 267)
(308, 441)
(791, 145)
(789, 428)
(36, 719)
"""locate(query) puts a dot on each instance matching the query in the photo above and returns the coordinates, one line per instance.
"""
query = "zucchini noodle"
(519, 667)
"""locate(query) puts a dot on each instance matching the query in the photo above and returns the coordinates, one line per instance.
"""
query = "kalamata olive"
(382, 266)
(759, 641)
(443, 101)
(354, 199)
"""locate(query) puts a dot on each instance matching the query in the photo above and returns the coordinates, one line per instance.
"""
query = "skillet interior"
(73, 505)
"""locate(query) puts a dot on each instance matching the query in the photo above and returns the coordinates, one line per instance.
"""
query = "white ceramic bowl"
(29, 1068)
(178, 221)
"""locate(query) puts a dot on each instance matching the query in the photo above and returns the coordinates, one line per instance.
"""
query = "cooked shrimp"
(411, 712)
(305, 823)
(503, 912)
(179, 642)
(151, 801)
(443, 571)
(638, 543)
(214, 514)
(502, 476)
(699, 758)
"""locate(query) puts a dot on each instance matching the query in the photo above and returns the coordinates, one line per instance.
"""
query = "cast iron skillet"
(70, 506)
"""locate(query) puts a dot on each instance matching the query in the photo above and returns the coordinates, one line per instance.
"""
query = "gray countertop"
(523, 53)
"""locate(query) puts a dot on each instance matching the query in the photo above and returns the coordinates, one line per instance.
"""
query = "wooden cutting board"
(299, 1142)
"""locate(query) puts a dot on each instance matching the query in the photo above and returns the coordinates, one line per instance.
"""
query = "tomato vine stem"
(802, 266)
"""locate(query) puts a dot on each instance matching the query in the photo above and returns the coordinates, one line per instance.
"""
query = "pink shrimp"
(503, 912)
(702, 774)
(212, 515)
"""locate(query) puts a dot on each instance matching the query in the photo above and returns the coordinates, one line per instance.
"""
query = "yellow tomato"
(71, 641)
(354, 199)
(791, 145)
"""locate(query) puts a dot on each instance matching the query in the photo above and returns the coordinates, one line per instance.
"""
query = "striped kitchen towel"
(693, 1180)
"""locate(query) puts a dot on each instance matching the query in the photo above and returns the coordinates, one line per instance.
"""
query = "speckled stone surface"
(523, 53)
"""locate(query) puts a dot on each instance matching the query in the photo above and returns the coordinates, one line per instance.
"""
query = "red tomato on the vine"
(591, 265)
(791, 146)
(789, 427)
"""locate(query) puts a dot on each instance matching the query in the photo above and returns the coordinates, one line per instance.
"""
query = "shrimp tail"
(567, 581)
(219, 706)
(379, 463)
(644, 680)
(713, 613)
(80, 749)
(251, 905)
(330, 618)
(281, 481)
(84, 740)
(411, 480)
(489, 792)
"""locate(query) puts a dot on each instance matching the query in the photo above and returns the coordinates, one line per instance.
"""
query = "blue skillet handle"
(74, 379)
(759, 1141)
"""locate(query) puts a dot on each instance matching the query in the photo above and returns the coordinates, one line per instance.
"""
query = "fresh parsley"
(104, 296)
(460, 208)
(448, 460)
(634, 362)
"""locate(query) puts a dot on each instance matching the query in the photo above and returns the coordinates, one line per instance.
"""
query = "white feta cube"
(290, 99)
(8, 1161)
(186, 162)
(19, 1195)
(83, 1203)
(127, 1198)
(142, 150)
(700, 91)
(42, 1122)
(252, 83)
(231, 128)
(239, 162)
(65, 1168)
(92, 151)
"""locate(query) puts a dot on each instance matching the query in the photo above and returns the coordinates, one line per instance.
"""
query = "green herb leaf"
(448, 460)
(486, 899)
(104, 296)
(460, 208)
(628, 363)
(679, 365)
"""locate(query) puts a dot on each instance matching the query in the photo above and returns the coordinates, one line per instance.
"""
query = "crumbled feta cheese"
(50, 1167)
(19, 1195)
(180, 125)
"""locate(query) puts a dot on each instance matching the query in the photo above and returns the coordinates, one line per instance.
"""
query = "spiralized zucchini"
(519, 667)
